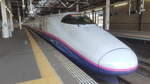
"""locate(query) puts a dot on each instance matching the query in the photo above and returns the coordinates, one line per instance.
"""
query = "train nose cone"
(119, 61)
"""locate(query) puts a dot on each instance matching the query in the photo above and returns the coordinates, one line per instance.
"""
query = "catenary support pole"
(5, 30)
(104, 15)
(93, 15)
(140, 21)
(95, 18)
(107, 17)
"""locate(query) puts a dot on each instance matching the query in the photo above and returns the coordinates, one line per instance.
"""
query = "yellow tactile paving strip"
(48, 74)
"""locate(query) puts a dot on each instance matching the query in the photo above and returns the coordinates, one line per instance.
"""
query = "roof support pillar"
(11, 23)
(19, 17)
(6, 33)
(20, 23)
(77, 8)
(107, 16)
(11, 17)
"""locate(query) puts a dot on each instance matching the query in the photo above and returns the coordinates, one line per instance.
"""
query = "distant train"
(85, 43)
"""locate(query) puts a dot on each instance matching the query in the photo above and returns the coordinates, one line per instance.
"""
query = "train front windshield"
(77, 19)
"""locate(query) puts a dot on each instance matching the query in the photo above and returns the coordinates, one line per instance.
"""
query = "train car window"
(77, 19)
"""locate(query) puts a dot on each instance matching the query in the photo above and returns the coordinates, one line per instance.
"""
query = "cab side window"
(77, 19)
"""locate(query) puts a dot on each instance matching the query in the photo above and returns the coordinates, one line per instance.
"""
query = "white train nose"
(119, 60)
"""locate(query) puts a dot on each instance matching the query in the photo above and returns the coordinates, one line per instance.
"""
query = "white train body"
(87, 44)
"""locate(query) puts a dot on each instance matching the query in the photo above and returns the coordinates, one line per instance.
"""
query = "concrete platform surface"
(19, 64)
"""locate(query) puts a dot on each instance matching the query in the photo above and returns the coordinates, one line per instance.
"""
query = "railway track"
(142, 75)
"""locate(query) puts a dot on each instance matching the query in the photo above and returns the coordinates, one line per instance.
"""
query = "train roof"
(64, 14)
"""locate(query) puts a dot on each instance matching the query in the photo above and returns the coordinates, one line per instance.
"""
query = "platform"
(140, 35)
(20, 64)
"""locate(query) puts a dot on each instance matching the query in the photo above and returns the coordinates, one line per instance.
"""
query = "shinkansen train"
(84, 43)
